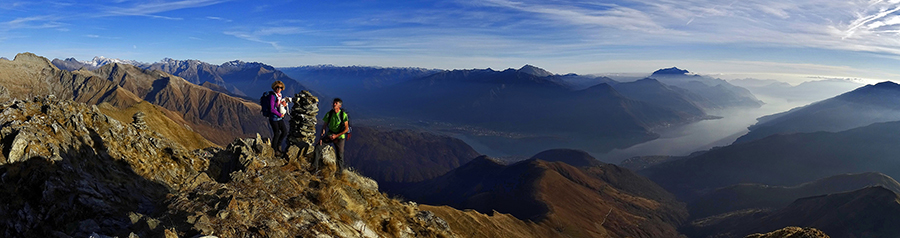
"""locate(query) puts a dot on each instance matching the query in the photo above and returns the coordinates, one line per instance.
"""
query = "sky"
(787, 40)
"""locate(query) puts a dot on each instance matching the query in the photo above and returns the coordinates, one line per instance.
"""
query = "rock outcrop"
(792, 232)
(303, 121)
(68, 170)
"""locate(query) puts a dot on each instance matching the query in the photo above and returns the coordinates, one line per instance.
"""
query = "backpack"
(265, 104)
(341, 118)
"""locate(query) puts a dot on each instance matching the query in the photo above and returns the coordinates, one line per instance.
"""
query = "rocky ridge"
(68, 170)
(792, 232)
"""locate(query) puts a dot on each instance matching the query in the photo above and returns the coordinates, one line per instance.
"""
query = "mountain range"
(541, 108)
(783, 160)
(860, 107)
(717, 93)
(764, 197)
(135, 161)
(238, 78)
(215, 115)
(809, 91)
(867, 212)
(352, 82)
(558, 196)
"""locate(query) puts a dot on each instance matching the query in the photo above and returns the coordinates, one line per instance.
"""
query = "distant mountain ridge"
(860, 107)
(519, 102)
(239, 78)
(867, 212)
(763, 197)
(809, 91)
(783, 160)
(713, 93)
(72, 64)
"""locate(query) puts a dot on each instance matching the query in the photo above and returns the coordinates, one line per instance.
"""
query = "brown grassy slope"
(29, 75)
(474, 224)
(217, 116)
(601, 201)
(158, 120)
(581, 205)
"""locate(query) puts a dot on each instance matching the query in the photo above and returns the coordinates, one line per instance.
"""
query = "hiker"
(276, 107)
(337, 126)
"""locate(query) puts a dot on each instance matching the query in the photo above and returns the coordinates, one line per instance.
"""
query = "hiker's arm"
(346, 129)
(273, 105)
(324, 124)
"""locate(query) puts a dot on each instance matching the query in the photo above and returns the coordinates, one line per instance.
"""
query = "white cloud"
(218, 19)
(151, 8)
(259, 34)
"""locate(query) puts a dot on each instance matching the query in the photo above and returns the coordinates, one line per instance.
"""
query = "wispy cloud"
(218, 19)
(603, 15)
(33, 22)
(259, 34)
(152, 8)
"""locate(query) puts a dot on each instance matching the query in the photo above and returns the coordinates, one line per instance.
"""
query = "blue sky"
(789, 40)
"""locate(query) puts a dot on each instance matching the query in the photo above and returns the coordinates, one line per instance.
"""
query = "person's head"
(277, 86)
(336, 104)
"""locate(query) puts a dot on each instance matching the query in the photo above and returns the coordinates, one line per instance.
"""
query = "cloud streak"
(150, 9)
(259, 34)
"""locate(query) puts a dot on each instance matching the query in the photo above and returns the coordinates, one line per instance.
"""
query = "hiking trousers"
(279, 132)
(339, 153)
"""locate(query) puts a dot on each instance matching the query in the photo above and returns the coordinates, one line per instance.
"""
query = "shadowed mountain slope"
(578, 202)
(784, 160)
(571, 157)
(758, 196)
(652, 91)
(402, 156)
(868, 212)
(863, 106)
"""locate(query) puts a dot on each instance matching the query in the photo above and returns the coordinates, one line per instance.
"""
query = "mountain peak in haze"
(531, 69)
(887, 85)
(670, 71)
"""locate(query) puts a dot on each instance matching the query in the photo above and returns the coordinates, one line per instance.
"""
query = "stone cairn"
(303, 122)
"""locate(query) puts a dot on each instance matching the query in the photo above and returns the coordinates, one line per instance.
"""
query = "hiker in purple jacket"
(276, 118)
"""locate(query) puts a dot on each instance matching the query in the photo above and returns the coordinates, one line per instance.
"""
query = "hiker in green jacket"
(337, 125)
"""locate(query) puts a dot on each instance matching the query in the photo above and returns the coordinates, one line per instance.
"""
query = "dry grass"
(157, 121)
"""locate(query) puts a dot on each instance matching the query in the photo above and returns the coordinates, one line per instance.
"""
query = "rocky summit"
(792, 232)
(68, 170)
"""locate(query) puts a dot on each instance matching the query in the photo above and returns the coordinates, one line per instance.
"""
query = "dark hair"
(337, 100)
